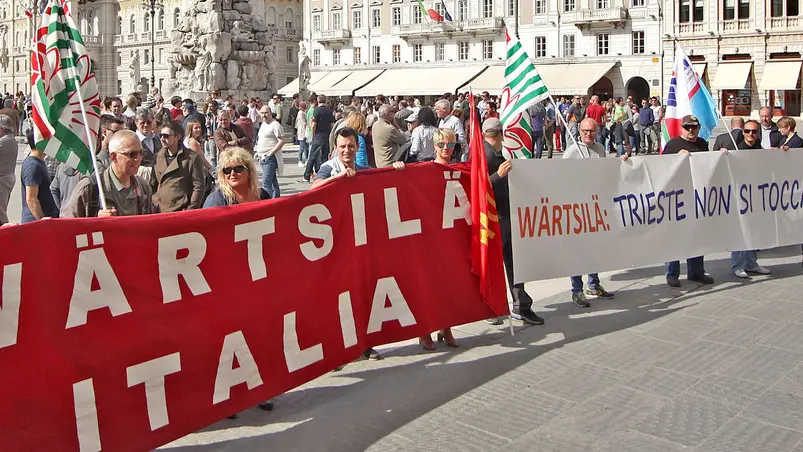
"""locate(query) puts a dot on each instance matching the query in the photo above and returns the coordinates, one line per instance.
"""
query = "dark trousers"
(317, 150)
(521, 301)
(538, 143)
(695, 267)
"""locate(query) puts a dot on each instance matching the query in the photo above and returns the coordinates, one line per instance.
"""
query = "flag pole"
(560, 115)
(727, 126)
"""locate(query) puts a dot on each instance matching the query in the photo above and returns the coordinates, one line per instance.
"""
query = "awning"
(732, 75)
(324, 85)
(354, 81)
(699, 68)
(419, 81)
(491, 80)
(292, 87)
(573, 78)
(780, 75)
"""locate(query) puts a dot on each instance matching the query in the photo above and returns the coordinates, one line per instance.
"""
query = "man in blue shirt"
(647, 119)
(37, 201)
(549, 129)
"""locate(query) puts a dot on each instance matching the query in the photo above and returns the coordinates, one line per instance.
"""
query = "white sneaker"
(760, 270)
(740, 273)
(301, 165)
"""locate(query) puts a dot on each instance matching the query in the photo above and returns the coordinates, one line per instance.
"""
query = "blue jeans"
(303, 151)
(538, 143)
(695, 267)
(318, 150)
(634, 144)
(577, 282)
(270, 183)
(746, 260)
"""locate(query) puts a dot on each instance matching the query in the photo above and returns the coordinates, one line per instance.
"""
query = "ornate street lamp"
(152, 6)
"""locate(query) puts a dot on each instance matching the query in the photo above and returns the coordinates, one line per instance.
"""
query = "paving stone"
(761, 364)
(779, 408)
(546, 439)
(687, 420)
(391, 443)
(788, 336)
(728, 390)
(791, 383)
(719, 306)
(448, 413)
(681, 328)
(581, 381)
(776, 311)
(610, 411)
(460, 437)
(662, 382)
(630, 441)
(635, 353)
(741, 331)
(514, 417)
(698, 358)
(747, 435)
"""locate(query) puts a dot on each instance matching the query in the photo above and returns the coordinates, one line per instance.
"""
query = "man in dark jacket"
(498, 168)
(178, 181)
(770, 136)
(724, 140)
(646, 120)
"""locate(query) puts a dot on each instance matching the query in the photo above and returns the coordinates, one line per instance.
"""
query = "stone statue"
(239, 31)
(303, 67)
(270, 61)
(133, 68)
(202, 72)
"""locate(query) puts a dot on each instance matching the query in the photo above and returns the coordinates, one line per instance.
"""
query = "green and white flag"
(523, 89)
(66, 104)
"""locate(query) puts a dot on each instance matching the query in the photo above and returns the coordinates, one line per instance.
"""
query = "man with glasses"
(687, 142)
(744, 262)
(125, 192)
(178, 181)
(276, 108)
(587, 148)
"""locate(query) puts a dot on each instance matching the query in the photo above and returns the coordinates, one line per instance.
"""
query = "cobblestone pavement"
(700, 368)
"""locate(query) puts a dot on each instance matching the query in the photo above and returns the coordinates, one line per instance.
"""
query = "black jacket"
(724, 141)
(794, 142)
(776, 139)
(501, 192)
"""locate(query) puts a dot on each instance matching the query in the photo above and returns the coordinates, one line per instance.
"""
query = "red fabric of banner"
(372, 259)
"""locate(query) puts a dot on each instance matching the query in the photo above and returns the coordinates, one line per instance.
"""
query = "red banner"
(127, 333)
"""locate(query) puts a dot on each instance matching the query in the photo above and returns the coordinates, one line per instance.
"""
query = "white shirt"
(765, 137)
(269, 135)
(253, 115)
(454, 123)
(656, 112)
(584, 151)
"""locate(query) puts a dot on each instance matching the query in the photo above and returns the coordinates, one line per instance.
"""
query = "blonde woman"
(237, 179)
(356, 121)
(445, 141)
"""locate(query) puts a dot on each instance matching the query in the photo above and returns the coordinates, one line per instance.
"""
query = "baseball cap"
(492, 125)
(690, 120)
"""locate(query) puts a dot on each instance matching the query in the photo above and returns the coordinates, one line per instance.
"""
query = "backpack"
(94, 206)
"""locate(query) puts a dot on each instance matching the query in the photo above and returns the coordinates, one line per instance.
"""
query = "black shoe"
(702, 279)
(372, 354)
(672, 281)
(580, 300)
(266, 406)
(528, 316)
(495, 321)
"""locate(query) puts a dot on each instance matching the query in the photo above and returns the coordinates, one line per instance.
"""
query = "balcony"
(145, 36)
(694, 28)
(487, 24)
(474, 27)
(585, 17)
(288, 33)
(735, 25)
(92, 40)
(329, 37)
(784, 23)
(131, 37)
(119, 39)
(161, 34)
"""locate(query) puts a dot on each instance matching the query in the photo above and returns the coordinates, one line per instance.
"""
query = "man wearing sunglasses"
(178, 180)
(126, 193)
(687, 142)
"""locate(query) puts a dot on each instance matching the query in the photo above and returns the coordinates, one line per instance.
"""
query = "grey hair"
(443, 104)
(8, 103)
(6, 123)
(119, 138)
(384, 110)
(144, 114)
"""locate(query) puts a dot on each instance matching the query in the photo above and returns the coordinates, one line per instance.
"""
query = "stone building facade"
(606, 47)
(748, 52)
(118, 36)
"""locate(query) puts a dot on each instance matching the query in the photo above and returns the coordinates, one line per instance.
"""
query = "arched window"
(119, 25)
(160, 20)
(146, 23)
(176, 17)
(288, 18)
(80, 23)
(132, 25)
(270, 17)
(90, 23)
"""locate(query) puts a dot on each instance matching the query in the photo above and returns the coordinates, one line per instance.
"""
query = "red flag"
(486, 241)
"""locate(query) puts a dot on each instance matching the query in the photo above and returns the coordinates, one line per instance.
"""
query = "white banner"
(571, 217)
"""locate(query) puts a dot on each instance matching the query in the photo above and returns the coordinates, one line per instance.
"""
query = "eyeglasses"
(751, 131)
(239, 169)
(165, 136)
(133, 155)
(444, 144)
(691, 127)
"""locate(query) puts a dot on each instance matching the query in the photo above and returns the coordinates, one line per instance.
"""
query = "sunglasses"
(751, 131)
(165, 136)
(446, 145)
(132, 154)
(239, 169)
(691, 127)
